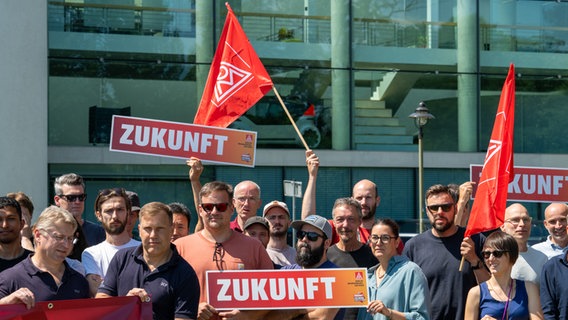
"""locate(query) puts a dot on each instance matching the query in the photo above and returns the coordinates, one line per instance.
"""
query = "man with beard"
(555, 222)
(11, 223)
(314, 238)
(278, 216)
(365, 192)
(246, 200)
(438, 252)
(112, 208)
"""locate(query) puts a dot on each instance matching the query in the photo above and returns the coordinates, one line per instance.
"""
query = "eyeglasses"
(445, 207)
(385, 238)
(516, 221)
(60, 238)
(218, 255)
(208, 207)
(496, 253)
(73, 197)
(312, 236)
(244, 199)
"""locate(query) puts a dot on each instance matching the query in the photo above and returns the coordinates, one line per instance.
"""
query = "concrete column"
(204, 44)
(23, 107)
(433, 15)
(468, 88)
(340, 75)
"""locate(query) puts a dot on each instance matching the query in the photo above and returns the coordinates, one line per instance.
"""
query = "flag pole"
(290, 117)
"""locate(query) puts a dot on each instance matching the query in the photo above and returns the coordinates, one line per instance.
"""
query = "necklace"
(501, 295)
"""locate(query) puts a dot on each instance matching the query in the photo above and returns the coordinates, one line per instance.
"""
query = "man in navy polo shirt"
(154, 271)
(44, 275)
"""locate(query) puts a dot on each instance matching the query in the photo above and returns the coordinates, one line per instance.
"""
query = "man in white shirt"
(112, 208)
(555, 222)
(278, 216)
(529, 264)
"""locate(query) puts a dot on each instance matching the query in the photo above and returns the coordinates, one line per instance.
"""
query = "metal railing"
(180, 22)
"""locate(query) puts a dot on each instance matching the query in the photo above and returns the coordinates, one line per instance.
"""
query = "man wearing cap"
(257, 227)
(134, 212)
(314, 238)
(278, 216)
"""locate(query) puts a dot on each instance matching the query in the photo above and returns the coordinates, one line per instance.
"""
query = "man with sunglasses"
(112, 208)
(314, 238)
(246, 200)
(70, 195)
(530, 262)
(218, 247)
(438, 252)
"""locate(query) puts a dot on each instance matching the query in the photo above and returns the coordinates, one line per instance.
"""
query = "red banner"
(180, 140)
(532, 184)
(488, 210)
(237, 79)
(287, 289)
(124, 308)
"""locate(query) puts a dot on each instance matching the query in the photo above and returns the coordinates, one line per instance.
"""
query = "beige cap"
(273, 204)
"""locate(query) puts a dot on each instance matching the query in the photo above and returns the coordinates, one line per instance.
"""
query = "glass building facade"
(363, 64)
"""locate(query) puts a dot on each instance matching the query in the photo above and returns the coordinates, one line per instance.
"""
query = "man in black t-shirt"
(11, 250)
(349, 252)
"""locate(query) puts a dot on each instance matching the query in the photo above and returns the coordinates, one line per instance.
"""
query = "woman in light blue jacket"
(397, 287)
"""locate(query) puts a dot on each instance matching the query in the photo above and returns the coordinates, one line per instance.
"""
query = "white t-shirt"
(96, 258)
(529, 266)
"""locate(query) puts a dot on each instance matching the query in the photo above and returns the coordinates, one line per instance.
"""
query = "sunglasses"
(445, 207)
(73, 197)
(221, 207)
(496, 253)
(312, 236)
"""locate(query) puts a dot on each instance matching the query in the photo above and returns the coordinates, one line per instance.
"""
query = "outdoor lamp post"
(421, 116)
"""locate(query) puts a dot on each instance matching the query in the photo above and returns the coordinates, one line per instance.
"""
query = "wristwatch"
(478, 265)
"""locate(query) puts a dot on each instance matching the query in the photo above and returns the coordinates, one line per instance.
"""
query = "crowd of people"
(149, 251)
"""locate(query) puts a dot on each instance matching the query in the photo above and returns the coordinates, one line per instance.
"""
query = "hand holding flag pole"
(488, 211)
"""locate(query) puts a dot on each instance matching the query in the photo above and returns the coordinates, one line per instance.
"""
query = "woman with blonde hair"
(502, 297)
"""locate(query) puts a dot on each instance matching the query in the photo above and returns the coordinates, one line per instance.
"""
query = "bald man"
(555, 222)
(529, 264)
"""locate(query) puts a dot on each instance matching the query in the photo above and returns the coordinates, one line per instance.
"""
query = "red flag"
(488, 211)
(237, 79)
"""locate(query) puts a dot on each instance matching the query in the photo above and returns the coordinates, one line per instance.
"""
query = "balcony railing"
(180, 22)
